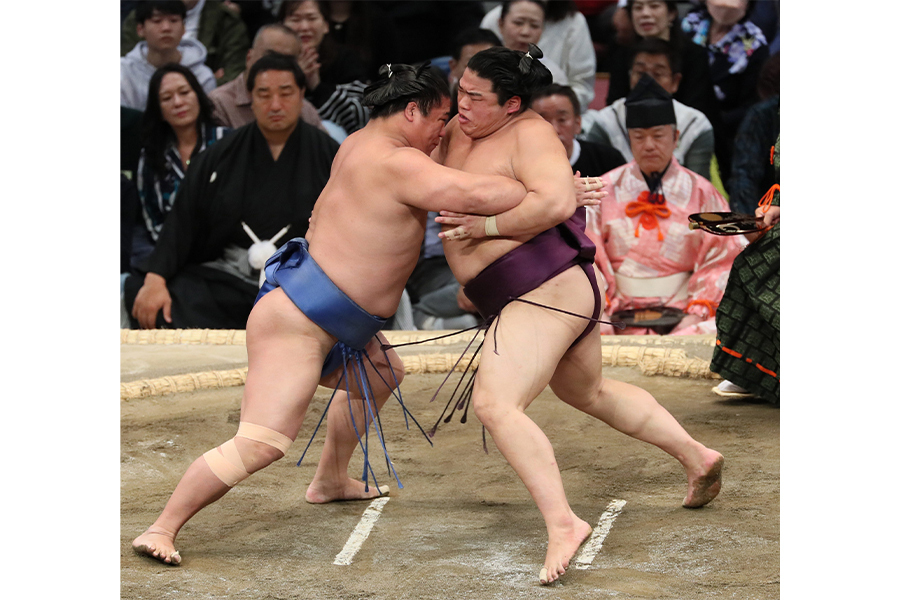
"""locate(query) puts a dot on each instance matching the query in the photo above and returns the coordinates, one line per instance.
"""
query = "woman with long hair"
(176, 126)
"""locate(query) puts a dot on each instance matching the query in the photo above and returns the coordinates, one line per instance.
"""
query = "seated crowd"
(232, 114)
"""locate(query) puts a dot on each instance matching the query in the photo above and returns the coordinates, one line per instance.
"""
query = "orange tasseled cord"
(766, 201)
(648, 212)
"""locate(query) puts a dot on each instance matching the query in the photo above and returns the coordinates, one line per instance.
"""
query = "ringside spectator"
(696, 140)
(161, 24)
(566, 40)
(212, 23)
(335, 76)
(231, 102)
(647, 253)
(258, 183)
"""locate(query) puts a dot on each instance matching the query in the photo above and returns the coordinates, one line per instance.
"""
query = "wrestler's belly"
(374, 281)
(468, 259)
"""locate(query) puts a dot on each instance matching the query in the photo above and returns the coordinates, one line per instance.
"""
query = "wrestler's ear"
(513, 105)
(410, 111)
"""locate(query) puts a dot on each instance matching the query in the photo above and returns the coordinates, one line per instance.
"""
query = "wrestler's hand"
(309, 64)
(152, 296)
(466, 226)
(464, 303)
(588, 190)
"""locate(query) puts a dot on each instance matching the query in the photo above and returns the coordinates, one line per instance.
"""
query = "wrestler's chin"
(466, 126)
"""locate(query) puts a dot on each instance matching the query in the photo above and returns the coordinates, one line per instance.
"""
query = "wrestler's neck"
(393, 129)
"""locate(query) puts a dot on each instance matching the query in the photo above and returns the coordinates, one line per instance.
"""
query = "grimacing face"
(480, 114)
(653, 146)
(431, 127)
(276, 101)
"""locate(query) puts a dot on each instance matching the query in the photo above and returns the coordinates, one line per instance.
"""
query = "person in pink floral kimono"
(646, 251)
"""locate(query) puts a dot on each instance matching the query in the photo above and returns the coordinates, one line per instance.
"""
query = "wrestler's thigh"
(530, 340)
(384, 370)
(579, 374)
(285, 352)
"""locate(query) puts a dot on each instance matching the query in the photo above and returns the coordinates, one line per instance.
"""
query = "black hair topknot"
(399, 84)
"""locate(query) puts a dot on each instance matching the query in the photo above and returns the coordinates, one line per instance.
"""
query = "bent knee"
(257, 455)
(489, 409)
(251, 449)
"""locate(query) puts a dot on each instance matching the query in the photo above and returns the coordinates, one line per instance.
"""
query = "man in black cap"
(645, 249)
(696, 142)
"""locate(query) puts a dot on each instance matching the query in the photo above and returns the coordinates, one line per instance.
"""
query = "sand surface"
(464, 525)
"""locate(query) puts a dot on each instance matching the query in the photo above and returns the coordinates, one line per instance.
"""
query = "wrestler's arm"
(425, 184)
(588, 192)
(539, 162)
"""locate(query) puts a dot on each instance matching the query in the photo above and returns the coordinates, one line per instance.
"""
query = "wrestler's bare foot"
(350, 489)
(159, 544)
(704, 484)
(563, 545)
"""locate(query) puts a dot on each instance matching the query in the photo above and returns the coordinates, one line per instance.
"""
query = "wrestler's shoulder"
(530, 123)
(372, 148)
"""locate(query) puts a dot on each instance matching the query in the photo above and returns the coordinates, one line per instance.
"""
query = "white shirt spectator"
(566, 43)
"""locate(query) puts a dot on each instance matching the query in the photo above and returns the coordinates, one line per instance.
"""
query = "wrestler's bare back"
(361, 234)
(496, 154)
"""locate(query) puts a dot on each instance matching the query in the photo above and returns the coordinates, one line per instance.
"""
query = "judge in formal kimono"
(646, 251)
(239, 200)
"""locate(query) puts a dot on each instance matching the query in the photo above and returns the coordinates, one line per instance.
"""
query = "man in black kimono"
(258, 183)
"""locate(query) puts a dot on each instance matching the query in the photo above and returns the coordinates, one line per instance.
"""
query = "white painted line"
(361, 532)
(593, 545)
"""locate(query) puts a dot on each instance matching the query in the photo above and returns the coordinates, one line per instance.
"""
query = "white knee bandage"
(227, 464)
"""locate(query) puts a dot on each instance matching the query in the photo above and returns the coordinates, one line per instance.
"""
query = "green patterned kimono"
(748, 350)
